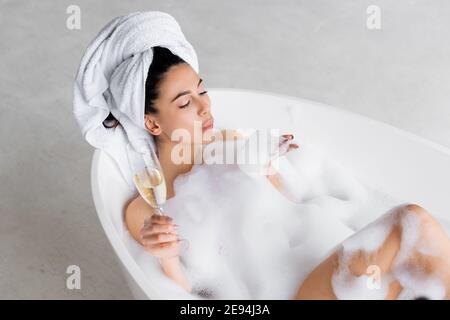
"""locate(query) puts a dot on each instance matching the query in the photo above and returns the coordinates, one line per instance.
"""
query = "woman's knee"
(419, 211)
(429, 226)
(382, 257)
(406, 219)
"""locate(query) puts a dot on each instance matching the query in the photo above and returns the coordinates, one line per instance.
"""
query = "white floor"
(320, 50)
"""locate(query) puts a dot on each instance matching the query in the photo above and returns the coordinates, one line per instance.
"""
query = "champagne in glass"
(148, 176)
(152, 187)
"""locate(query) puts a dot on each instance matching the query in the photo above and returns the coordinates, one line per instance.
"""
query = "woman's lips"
(209, 124)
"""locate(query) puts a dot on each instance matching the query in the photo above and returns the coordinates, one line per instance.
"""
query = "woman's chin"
(208, 135)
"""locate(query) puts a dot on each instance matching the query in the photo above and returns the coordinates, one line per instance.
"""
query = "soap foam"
(248, 241)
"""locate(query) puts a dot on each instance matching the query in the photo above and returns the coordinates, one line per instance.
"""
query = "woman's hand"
(267, 159)
(159, 237)
(285, 145)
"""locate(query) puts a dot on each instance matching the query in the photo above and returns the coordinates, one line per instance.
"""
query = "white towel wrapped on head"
(111, 79)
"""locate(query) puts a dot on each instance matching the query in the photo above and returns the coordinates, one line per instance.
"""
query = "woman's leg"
(414, 250)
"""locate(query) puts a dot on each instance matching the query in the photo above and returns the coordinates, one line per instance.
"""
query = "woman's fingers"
(156, 219)
(160, 219)
(158, 228)
(285, 138)
(158, 238)
(285, 145)
(164, 249)
(288, 136)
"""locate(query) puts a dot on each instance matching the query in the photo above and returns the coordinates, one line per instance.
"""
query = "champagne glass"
(149, 178)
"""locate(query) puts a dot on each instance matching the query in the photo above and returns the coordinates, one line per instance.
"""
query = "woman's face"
(182, 104)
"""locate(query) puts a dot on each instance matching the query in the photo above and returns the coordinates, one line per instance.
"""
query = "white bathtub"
(404, 165)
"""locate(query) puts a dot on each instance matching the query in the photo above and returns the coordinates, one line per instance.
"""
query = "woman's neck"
(170, 168)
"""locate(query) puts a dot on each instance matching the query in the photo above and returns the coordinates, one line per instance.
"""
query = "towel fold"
(111, 79)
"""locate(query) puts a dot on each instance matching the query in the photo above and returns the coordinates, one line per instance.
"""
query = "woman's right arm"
(136, 213)
(158, 237)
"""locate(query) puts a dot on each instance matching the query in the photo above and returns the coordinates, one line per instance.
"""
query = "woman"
(176, 98)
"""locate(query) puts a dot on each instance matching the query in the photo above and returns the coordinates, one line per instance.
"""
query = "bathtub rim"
(413, 136)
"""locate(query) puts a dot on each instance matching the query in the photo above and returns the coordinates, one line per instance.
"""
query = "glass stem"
(161, 211)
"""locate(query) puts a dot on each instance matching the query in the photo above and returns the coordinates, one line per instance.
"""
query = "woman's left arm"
(269, 171)
(273, 175)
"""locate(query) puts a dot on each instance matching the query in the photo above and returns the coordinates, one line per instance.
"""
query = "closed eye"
(184, 106)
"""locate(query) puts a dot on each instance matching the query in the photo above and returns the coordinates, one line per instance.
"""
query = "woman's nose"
(204, 109)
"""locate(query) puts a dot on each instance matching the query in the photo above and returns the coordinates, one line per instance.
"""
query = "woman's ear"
(152, 125)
